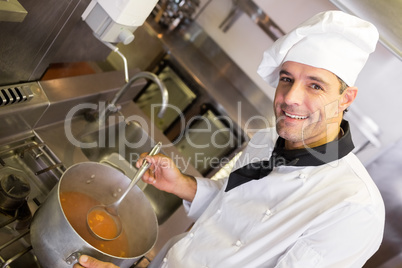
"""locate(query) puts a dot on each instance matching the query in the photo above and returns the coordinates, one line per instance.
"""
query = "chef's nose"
(294, 94)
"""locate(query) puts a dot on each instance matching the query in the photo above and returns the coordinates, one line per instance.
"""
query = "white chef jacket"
(316, 216)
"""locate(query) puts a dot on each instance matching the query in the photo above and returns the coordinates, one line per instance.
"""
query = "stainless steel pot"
(57, 244)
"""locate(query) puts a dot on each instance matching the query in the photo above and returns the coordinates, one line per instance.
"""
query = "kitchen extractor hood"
(52, 32)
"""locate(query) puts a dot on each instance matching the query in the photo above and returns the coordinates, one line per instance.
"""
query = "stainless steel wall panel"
(22, 117)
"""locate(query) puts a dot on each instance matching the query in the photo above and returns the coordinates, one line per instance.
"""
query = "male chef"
(298, 196)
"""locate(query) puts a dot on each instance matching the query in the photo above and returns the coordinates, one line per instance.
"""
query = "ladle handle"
(144, 167)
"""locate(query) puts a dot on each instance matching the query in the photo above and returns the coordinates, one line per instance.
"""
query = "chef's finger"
(149, 176)
(140, 160)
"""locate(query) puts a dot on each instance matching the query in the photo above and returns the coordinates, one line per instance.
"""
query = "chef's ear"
(347, 97)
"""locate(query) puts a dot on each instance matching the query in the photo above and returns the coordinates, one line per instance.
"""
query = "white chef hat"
(331, 40)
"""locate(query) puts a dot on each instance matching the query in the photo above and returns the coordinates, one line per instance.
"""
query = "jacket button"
(302, 176)
(268, 212)
(238, 243)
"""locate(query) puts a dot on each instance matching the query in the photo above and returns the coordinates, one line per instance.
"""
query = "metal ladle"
(111, 210)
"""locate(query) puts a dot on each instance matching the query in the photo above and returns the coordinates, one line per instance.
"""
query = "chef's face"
(308, 105)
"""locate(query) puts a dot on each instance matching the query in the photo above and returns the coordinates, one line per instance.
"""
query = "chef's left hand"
(89, 262)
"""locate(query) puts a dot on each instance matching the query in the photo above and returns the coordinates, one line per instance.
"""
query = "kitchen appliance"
(115, 21)
(32, 166)
(51, 32)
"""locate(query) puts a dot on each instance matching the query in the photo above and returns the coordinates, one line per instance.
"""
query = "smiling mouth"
(299, 117)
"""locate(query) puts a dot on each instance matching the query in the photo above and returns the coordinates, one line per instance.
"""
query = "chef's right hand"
(164, 175)
(89, 262)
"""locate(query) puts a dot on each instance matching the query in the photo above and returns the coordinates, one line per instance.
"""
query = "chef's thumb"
(90, 262)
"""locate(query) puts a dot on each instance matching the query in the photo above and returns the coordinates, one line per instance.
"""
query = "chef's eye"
(285, 79)
(315, 86)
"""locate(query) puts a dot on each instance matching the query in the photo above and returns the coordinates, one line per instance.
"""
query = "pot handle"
(73, 258)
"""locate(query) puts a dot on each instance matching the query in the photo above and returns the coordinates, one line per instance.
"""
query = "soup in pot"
(76, 206)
